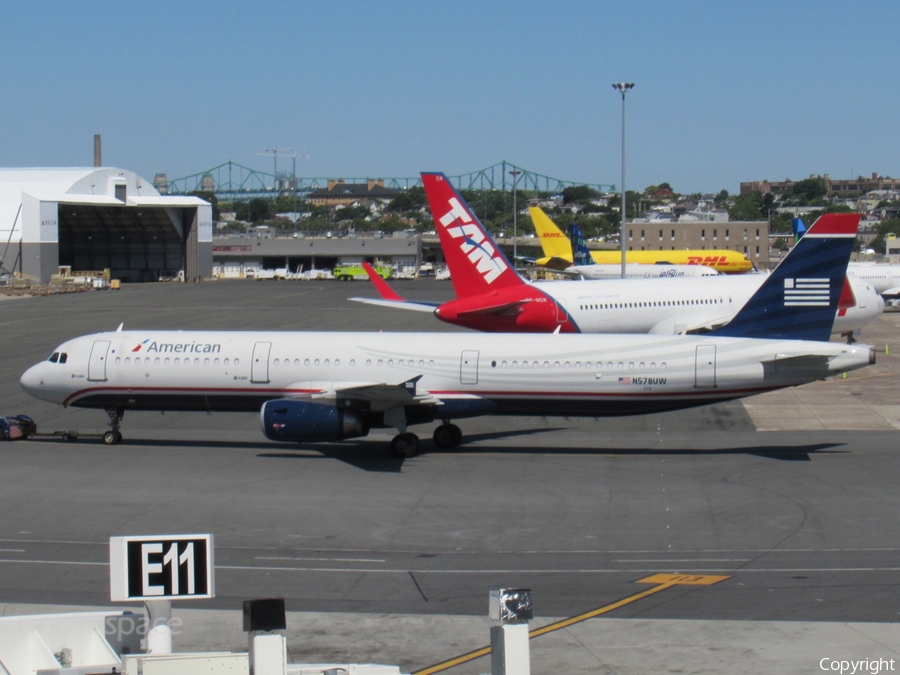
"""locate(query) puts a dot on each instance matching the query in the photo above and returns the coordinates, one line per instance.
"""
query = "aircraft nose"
(31, 381)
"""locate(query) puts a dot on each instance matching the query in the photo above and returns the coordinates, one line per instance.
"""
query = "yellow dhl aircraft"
(558, 252)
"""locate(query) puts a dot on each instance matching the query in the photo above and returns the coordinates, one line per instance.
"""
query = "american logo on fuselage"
(474, 244)
(179, 347)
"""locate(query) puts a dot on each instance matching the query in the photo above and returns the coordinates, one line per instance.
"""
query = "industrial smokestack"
(98, 161)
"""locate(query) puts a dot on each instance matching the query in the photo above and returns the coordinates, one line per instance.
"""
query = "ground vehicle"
(19, 426)
(348, 272)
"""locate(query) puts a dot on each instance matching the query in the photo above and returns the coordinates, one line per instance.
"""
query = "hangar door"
(136, 243)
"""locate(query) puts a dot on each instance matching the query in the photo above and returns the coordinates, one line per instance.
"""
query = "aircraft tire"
(112, 438)
(405, 445)
(447, 436)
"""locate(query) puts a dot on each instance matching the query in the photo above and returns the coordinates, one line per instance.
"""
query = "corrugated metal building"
(96, 218)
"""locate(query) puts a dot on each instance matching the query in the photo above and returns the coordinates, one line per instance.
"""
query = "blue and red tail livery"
(798, 301)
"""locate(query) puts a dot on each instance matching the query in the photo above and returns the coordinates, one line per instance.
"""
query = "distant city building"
(339, 192)
(748, 237)
(854, 186)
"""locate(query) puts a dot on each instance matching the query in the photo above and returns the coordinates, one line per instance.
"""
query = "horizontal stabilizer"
(400, 304)
(504, 309)
(793, 363)
(554, 262)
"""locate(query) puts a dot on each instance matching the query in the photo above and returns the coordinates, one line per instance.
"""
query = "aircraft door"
(97, 363)
(561, 314)
(468, 367)
(259, 368)
(860, 296)
(705, 367)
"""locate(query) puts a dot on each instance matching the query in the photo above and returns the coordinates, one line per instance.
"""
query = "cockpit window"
(54, 358)
(63, 357)
(58, 357)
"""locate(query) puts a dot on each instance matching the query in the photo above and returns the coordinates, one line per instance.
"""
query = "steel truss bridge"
(232, 181)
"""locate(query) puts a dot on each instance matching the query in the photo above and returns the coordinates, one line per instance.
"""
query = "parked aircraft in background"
(586, 268)
(492, 297)
(558, 252)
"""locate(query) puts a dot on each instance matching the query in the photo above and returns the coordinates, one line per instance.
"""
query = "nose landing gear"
(114, 436)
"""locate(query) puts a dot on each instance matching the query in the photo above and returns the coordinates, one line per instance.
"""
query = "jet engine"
(307, 422)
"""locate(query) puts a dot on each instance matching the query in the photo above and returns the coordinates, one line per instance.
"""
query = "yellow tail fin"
(555, 244)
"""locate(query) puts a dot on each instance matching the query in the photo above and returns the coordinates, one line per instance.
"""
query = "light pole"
(515, 174)
(623, 88)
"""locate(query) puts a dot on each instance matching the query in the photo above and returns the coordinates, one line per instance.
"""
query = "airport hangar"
(96, 218)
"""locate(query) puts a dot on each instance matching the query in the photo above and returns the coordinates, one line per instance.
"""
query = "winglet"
(799, 299)
(476, 264)
(381, 285)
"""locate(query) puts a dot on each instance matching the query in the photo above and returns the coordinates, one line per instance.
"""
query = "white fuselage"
(665, 306)
(578, 374)
(636, 271)
(883, 278)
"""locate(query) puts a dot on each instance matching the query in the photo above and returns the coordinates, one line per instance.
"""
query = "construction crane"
(274, 152)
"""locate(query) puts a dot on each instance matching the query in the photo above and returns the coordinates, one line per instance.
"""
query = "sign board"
(165, 567)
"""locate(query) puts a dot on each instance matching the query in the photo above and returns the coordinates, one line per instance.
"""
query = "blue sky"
(725, 91)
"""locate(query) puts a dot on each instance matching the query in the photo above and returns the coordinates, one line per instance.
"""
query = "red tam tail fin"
(476, 263)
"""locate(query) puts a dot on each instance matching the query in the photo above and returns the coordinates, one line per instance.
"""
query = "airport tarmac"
(791, 496)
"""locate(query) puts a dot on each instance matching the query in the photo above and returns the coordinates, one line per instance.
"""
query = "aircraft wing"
(400, 304)
(891, 292)
(688, 326)
(380, 395)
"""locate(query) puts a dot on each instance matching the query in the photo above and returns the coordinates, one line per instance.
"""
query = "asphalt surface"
(801, 520)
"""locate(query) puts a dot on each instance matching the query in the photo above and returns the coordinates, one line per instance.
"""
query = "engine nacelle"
(307, 422)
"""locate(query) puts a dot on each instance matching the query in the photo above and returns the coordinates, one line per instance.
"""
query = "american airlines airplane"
(492, 297)
(328, 386)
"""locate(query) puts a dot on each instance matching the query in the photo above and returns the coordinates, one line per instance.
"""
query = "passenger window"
(237, 362)
(127, 360)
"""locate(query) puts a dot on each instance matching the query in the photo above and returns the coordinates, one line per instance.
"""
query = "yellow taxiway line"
(661, 582)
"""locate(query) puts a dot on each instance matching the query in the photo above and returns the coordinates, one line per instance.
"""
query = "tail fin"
(476, 263)
(799, 228)
(556, 246)
(799, 299)
(579, 247)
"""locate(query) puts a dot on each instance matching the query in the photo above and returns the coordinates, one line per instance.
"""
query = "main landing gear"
(114, 436)
(446, 436)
